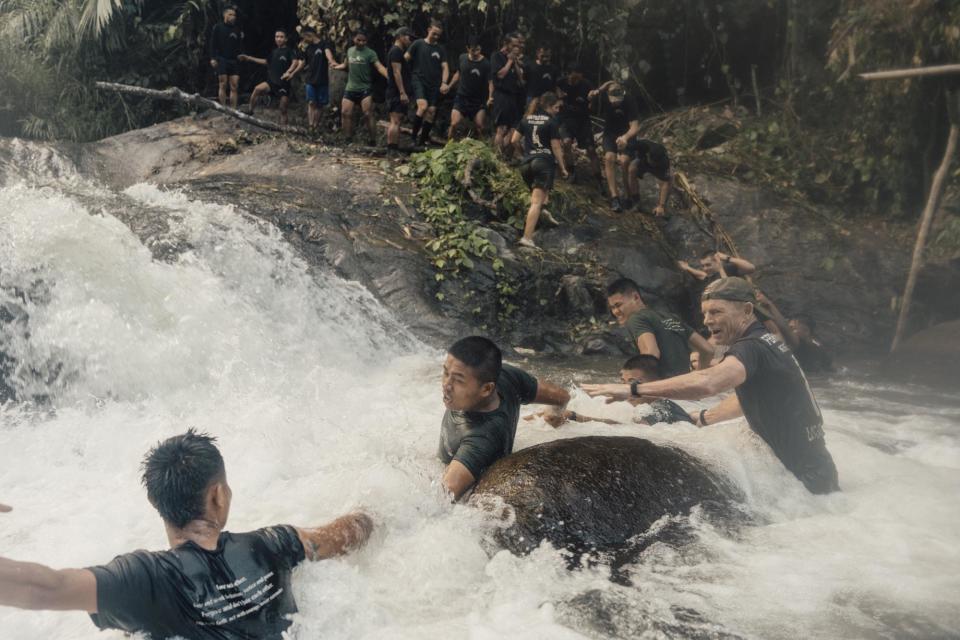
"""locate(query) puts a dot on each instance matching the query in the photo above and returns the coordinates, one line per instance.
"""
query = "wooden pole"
(176, 95)
(933, 200)
(894, 74)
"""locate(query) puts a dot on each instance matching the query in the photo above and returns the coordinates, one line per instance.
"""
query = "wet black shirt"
(226, 41)
(776, 398)
(279, 63)
(672, 337)
(319, 67)
(474, 80)
(667, 411)
(427, 60)
(509, 83)
(540, 79)
(241, 591)
(476, 439)
(538, 131)
(617, 118)
(576, 99)
(396, 55)
(652, 154)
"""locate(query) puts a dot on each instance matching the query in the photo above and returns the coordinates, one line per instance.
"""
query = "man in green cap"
(771, 390)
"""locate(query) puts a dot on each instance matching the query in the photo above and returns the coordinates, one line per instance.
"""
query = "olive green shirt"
(360, 68)
(672, 339)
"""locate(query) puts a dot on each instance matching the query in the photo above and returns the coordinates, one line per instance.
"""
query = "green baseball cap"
(733, 289)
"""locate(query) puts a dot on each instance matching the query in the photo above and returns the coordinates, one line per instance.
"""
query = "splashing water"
(322, 401)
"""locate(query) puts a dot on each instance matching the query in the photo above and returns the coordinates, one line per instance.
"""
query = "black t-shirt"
(279, 62)
(667, 411)
(776, 398)
(319, 73)
(538, 131)
(672, 337)
(226, 41)
(240, 591)
(540, 79)
(617, 118)
(476, 439)
(510, 83)
(576, 99)
(474, 80)
(652, 154)
(427, 60)
(396, 55)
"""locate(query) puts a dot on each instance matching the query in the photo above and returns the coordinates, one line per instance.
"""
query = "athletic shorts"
(356, 96)
(579, 129)
(468, 108)
(318, 94)
(539, 172)
(610, 144)
(226, 67)
(280, 89)
(395, 105)
(422, 91)
(507, 109)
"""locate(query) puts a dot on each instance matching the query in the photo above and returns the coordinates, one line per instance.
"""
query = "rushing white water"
(322, 402)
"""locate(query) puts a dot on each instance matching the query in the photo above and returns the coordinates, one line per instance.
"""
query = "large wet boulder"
(929, 357)
(594, 493)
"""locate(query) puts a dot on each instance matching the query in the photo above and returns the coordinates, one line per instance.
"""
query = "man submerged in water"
(771, 390)
(211, 584)
(483, 397)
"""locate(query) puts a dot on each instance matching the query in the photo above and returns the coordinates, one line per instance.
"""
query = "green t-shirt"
(477, 439)
(360, 68)
(671, 334)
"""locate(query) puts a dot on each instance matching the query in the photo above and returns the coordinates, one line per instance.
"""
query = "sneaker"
(616, 206)
(523, 242)
(547, 217)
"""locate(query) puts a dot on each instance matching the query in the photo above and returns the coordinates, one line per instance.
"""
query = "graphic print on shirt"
(233, 596)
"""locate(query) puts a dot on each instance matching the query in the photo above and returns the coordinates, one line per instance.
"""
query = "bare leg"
(480, 122)
(346, 110)
(258, 91)
(610, 166)
(234, 91)
(367, 106)
(222, 93)
(393, 131)
(537, 198)
(455, 119)
(284, 102)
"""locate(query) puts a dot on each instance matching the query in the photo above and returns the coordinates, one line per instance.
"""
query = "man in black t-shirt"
(542, 75)
(575, 124)
(431, 71)
(399, 85)
(483, 398)
(210, 584)
(319, 60)
(772, 392)
(226, 43)
(470, 102)
(283, 63)
(542, 151)
(507, 98)
(650, 157)
(621, 123)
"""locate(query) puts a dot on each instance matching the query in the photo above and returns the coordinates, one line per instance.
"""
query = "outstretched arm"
(691, 386)
(457, 478)
(556, 397)
(343, 535)
(727, 409)
(556, 145)
(245, 58)
(744, 266)
(766, 305)
(696, 273)
(26, 585)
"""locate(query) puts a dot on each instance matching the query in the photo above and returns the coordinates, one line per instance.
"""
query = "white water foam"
(321, 402)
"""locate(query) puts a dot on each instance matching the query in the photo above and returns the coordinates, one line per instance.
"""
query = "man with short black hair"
(541, 74)
(621, 123)
(360, 64)
(283, 63)
(226, 44)
(470, 102)
(771, 390)
(431, 71)
(399, 85)
(507, 98)
(575, 123)
(650, 157)
(655, 333)
(483, 398)
(319, 60)
(211, 584)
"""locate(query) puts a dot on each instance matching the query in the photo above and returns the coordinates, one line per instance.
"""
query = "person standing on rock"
(508, 94)
(575, 124)
(541, 74)
(483, 398)
(399, 85)
(650, 157)
(431, 71)
(360, 65)
(542, 152)
(319, 60)
(621, 123)
(771, 389)
(655, 333)
(283, 63)
(226, 44)
(211, 584)
(473, 90)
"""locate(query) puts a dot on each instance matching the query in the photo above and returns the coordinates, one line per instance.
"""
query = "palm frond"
(96, 15)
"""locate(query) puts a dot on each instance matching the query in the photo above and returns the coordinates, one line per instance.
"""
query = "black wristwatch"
(633, 389)
(703, 417)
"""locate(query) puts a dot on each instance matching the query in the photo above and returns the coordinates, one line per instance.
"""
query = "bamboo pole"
(177, 95)
(894, 74)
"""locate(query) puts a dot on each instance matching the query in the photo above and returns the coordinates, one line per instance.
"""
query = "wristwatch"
(633, 389)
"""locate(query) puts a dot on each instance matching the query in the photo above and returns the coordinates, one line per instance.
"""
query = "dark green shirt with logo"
(478, 439)
(672, 339)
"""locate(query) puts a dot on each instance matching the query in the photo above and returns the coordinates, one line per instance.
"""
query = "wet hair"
(807, 320)
(622, 286)
(177, 473)
(650, 365)
(481, 355)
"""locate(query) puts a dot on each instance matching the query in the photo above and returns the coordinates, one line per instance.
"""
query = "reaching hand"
(612, 392)
(683, 264)
(621, 142)
(722, 256)
(404, 98)
(214, 64)
(658, 210)
(444, 89)
(5, 509)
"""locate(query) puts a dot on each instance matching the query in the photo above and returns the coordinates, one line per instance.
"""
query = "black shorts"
(468, 108)
(817, 471)
(356, 96)
(643, 168)
(280, 89)
(396, 105)
(428, 92)
(226, 67)
(539, 172)
(610, 144)
(507, 109)
(579, 129)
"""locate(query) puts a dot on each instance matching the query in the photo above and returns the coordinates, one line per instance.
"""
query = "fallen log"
(177, 95)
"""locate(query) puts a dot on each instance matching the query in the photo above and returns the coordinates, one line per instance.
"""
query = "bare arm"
(780, 323)
(245, 58)
(343, 535)
(702, 346)
(743, 266)
(727, 409)
(455, 79)
(696, 273)
(26, 585)
(664, 194)
(549, 393)
(398, 78)
(382, 70)
(446, 74)
(631, 133)
(505, 69)
(331, 60)
(457, 478)
(516, 137)
(691, 386)
(556, 145)
(647, 344)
